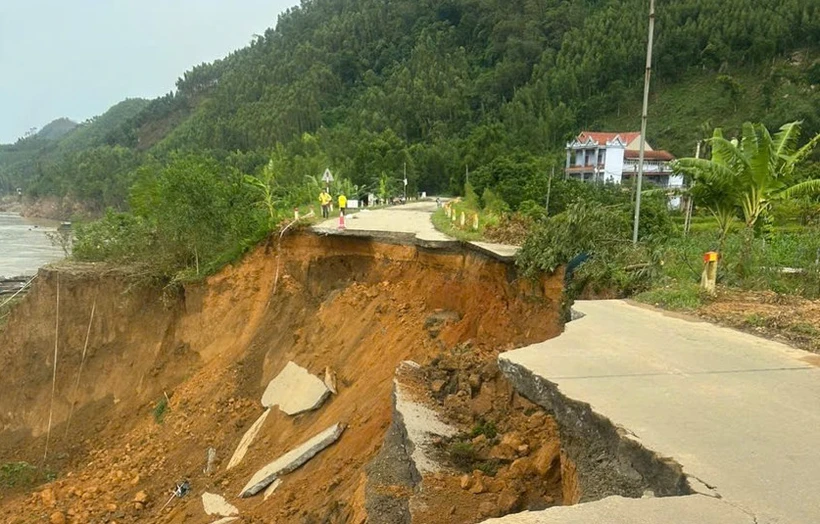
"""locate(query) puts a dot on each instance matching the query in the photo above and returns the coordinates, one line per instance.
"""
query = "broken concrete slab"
(217, 505)
(226, 520)
(273, 487)
(503, 252)
(330, 380)
(291, 460)
(420, 422)
(295, 390)
(247, 440)
(621, 510)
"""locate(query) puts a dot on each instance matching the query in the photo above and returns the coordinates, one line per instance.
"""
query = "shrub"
(160, 410)
(487, 429)
(462, 454)
(493, 203)
(117, 237)
(532, 210)
(471, 197)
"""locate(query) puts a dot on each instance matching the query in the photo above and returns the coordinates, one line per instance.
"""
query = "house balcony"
(585, 168)
(649, 168)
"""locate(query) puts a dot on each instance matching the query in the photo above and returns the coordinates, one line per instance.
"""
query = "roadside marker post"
(708, 279)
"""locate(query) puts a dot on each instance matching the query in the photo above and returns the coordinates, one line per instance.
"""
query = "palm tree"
(749, 173)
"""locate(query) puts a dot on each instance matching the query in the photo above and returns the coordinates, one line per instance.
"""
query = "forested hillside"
(365, 86)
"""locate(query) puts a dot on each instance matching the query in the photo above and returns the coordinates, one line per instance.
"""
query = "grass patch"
(462, 454)
(450, 228)
(487, 429)
(160, 410)
(488, 467)
(804, 328)
(677, 296)
(23, 475)
(755, 320)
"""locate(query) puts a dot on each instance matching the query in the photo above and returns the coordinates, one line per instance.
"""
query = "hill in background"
(367, 86)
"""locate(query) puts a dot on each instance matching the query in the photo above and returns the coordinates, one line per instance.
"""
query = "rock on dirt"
(226, 520)
(295, 390)
(247, 440)
(330, 380)
(291, 460)
(272, 488)
(217, 505)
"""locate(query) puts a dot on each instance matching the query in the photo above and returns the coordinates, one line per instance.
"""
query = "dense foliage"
(441, 88)
(451, 84)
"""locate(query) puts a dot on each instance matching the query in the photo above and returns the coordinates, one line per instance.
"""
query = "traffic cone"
(341, 220)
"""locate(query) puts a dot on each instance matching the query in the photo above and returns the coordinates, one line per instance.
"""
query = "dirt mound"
(355, 306)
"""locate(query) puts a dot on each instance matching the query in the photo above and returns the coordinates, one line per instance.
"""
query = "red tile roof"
(650, 155)
(602, 138)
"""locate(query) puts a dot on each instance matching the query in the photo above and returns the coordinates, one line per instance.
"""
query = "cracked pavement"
(739, 413)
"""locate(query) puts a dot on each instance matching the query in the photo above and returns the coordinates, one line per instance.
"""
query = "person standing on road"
(325, 199)
(342, 203)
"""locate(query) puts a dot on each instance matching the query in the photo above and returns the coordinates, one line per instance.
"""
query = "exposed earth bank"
(168, 374)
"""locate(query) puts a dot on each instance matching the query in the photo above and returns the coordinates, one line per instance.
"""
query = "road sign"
(327, 177)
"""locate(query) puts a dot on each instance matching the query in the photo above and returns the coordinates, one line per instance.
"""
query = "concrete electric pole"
(643, 120)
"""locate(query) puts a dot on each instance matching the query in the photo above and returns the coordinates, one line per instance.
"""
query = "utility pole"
(549, 189)
(466, 174)
(687, 221)
(643, 120)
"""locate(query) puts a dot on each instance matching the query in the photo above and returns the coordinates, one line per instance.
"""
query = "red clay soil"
(356, 306)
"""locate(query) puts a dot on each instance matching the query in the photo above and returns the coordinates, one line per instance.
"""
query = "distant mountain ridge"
(56, 129)
(370, 86)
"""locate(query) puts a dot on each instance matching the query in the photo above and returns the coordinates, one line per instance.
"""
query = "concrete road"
(413, 218)
(697, 509)
(738, 412)
(411, 221)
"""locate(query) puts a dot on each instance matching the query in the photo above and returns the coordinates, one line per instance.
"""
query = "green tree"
(751, 172)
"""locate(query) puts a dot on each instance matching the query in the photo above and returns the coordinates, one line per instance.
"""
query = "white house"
(613, 158)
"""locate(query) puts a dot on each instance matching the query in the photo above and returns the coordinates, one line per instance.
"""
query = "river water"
(24, 246)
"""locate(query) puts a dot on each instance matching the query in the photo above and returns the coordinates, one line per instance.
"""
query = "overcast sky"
(77, 58)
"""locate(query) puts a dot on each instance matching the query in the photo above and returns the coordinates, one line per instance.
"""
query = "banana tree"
(266, 186)
(750, 172)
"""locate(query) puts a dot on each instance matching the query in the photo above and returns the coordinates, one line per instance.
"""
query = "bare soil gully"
(350, 304)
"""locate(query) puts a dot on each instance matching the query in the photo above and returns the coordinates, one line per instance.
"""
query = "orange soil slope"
(354, 305)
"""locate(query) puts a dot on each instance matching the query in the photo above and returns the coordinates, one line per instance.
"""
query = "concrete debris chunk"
(217, 505)
(421, 423)
(247, 440)
(295, 390)
(209, 461)
(330, 380)
(273, 487)
(291, 460)
(226, 520)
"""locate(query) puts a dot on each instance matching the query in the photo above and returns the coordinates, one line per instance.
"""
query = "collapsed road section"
(156, 388)
(650, 401)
